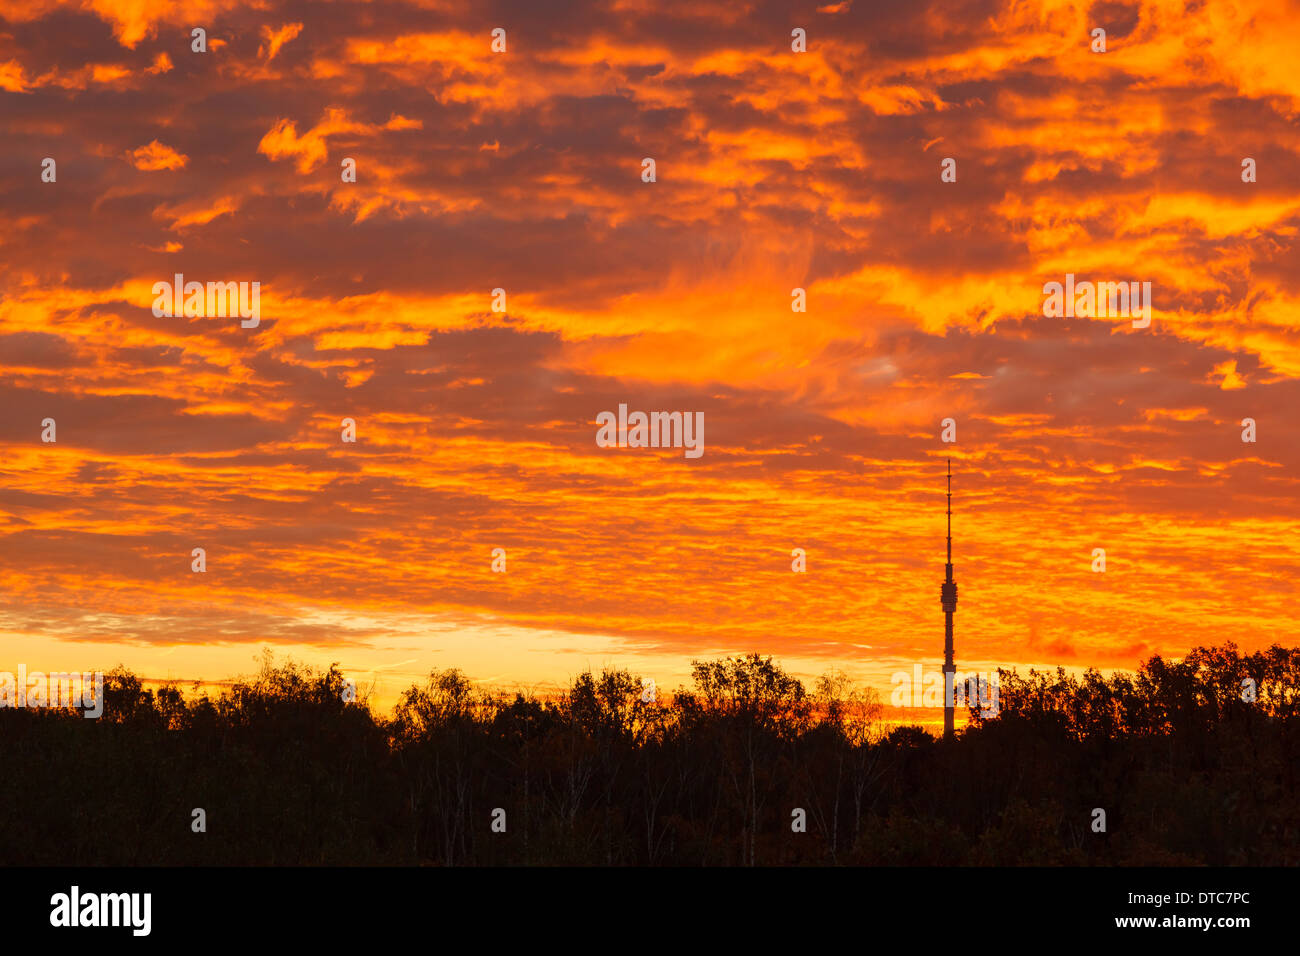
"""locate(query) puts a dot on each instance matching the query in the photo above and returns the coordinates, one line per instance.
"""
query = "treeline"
(1192, 762)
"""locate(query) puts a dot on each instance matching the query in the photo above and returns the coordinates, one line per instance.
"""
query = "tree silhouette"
(1194, 761)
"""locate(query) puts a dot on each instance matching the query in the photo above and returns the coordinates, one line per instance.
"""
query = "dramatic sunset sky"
(476, 430)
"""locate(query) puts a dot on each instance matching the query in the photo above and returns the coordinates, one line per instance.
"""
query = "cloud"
(777, 171)
(310, 150)
(275, 39)
(155, 155)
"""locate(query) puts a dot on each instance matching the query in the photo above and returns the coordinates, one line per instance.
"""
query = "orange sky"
(476, 430)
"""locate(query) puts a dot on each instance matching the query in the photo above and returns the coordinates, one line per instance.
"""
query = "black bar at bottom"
(650, 907)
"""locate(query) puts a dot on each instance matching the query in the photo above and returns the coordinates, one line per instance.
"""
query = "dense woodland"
(289, 773)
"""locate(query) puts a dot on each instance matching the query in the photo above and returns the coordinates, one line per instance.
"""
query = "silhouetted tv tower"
(949, 598)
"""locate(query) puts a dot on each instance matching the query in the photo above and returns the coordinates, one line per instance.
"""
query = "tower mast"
(949, 600)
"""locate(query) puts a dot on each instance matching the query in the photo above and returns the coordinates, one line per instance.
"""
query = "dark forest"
(1186, 767)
